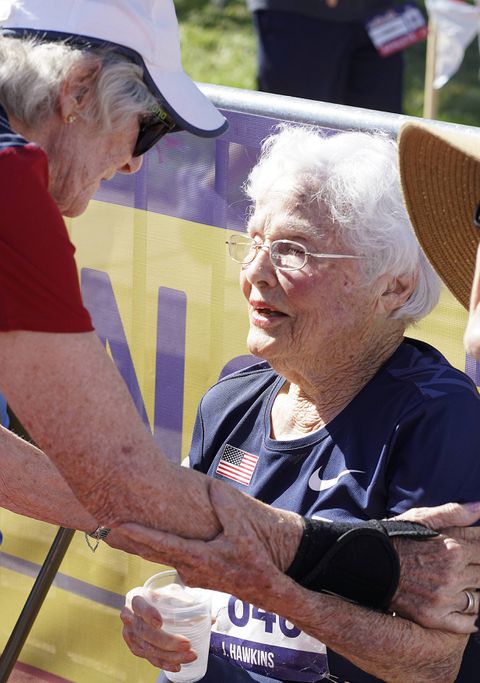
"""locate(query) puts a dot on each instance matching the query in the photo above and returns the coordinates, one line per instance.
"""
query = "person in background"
(321, 50)
(347, 418)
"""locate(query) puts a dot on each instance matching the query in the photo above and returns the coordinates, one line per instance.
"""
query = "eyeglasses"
(152, 128)
(284, 254)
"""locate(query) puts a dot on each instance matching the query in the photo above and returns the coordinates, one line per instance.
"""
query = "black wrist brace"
(355, 561)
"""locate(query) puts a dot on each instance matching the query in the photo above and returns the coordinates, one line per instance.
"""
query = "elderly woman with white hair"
(344, 418)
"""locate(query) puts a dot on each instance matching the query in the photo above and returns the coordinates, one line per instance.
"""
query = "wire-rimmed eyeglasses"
(284, 254)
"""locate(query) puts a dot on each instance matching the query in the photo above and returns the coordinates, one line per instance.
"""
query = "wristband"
(355, 561)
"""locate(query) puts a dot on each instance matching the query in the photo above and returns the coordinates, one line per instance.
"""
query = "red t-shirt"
(39, 287)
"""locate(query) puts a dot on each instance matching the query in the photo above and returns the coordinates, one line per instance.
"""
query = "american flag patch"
(237, 464)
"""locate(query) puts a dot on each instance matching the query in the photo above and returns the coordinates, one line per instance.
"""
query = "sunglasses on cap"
(152, 128)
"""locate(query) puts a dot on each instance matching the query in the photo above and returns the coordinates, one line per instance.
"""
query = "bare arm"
(392, 649)
(71, 399)
(433, 577)
(31, 485)
(388, 647)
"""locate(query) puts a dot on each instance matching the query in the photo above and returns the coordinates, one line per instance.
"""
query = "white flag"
(457, 24)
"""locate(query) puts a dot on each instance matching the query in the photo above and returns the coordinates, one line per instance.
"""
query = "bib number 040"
(240, 613)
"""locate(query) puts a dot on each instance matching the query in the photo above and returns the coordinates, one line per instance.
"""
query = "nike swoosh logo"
(318, 484)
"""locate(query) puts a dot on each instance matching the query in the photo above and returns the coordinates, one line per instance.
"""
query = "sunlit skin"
(80, 153)
(303, 310)
(472, 333)
(313, 325)
(80, 156)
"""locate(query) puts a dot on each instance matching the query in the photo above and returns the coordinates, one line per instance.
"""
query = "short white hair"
(32, 72)
(352, 178)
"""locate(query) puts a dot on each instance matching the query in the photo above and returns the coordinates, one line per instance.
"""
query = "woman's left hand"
(436, 575)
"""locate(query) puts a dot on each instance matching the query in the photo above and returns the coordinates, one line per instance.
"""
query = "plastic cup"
(184, 611)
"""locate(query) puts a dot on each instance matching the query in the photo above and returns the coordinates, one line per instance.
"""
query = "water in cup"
(185, 611)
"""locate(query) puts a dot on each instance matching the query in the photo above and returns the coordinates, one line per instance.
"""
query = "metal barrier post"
(34, 601)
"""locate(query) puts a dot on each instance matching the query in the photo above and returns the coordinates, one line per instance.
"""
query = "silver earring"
(71, 118)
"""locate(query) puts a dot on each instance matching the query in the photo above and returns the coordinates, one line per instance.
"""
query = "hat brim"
(176, 91)
(440, 175)
(185, 102)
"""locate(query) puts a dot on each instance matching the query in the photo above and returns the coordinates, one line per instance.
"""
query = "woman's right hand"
(143, 633)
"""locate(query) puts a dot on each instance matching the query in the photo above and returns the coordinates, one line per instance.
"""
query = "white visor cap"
(149, 28)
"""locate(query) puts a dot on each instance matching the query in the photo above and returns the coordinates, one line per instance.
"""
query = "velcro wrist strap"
(398, 527)
(356, 561)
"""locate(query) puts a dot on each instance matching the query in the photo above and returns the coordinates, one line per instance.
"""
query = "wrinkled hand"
(246, 558)
(143, 633)
(434, 574)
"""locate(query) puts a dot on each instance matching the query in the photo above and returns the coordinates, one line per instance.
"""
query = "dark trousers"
(324, 60)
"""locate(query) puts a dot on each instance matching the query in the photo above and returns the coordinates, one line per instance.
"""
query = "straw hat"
(440, 174)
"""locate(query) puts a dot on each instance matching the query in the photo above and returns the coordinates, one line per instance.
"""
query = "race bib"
(396, 29)
(264, 643)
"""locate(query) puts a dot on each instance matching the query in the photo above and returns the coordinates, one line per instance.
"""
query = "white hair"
(32, 72)
(352, 178)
